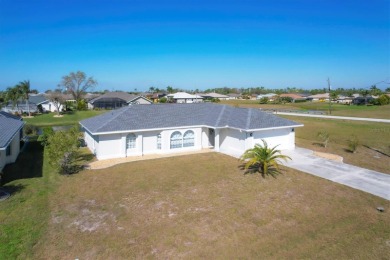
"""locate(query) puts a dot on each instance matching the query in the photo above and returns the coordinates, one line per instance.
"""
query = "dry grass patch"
(202, 206)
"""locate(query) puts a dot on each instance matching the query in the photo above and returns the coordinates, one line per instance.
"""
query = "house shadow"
(12, 188)
(28, 165)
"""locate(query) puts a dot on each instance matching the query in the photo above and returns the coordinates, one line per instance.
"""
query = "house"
(320, 97)
(270, 96)
(214, 95)
(155, 97)
(183, 97)
(294, 97)
(114, 100)
(11, 132)
(234, 96)
(22, 106)
(172, 128)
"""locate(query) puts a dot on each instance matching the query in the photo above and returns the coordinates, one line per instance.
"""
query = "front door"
(211, 137)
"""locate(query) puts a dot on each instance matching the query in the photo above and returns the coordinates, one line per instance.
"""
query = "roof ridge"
(114, 117)
(220, 115)
(248, 118)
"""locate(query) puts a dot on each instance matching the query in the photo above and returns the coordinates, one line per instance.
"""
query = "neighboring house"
(234, 96)
(155, 97)
(11, 132)
(362, 100)
(172, 128)
(214, 95)
(270, 96)
(344, 99)
(114, 100)
(183, 97)
(320, 97)
(21, 106)
(294, 97)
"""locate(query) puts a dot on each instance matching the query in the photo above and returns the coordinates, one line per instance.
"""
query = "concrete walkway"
(359, 178)
(337, 117)
(101, 164)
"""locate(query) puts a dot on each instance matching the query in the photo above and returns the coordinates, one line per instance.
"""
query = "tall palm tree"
(265, 158)
(13, 95)
(24, 88)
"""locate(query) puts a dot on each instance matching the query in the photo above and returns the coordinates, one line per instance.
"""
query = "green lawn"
(337, 109)
(195, 206)
(70, 118)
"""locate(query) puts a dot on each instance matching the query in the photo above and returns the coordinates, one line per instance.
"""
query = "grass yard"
(67, 119)
(374, 135)
(337, 109)
(202, 206)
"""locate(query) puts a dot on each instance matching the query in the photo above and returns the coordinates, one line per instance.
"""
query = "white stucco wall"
(49, 107)
(15, 149)
(232, 142)
(2, 159)
(285, 138)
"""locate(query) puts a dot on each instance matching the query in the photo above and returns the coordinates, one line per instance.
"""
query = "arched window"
(176, 140)
(159, 141)
(131, 141)
(188, 139)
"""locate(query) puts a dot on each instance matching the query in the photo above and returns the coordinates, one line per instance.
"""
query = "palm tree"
(265, 158)
(13, 95)
(24, 88)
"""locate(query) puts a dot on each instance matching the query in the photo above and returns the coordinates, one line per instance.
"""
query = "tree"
(334, 95)
(151, 89)
(13, 95)
(62, 147)
(170, 89)
(264, 100)
(77, 84)
(387, 90)
(266, 159)
(24, 89)
(353, 143)
(374, 91)
(57, 98)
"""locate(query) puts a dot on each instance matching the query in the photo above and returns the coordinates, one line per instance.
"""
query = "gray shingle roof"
(181, 115)
(118, 94)
(9, 126)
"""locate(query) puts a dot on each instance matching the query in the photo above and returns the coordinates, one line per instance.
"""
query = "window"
(159, 141)
(176, 140)
(131, 141)
(188, 139)
(8, 150)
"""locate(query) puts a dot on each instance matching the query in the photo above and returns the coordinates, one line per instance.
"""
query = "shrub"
(263, 100)
(353, 144)
(46, 133)
(383, 100)
(163, 100)
(30, 130)
(215, 100)
(324, 138)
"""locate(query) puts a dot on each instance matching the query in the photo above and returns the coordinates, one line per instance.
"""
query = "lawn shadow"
(12, 188)
(318, 144)
(28, 165)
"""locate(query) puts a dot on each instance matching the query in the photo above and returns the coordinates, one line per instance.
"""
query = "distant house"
(234, 96)
(114, 100)
(173, 128)
(362, 100)
(270, 96)
(11, 132)
(32, 105)
(183, 97)
(320, 97)
(155, 97)
(214, 95)
(294, 97)
(344, 99)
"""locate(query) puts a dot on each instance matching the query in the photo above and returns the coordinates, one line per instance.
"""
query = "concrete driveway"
(359, 178)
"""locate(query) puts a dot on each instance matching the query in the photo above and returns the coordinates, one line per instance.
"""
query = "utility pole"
(330, 104)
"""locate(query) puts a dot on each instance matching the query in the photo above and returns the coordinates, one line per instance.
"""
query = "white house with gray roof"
(11, 131)
(170, 128)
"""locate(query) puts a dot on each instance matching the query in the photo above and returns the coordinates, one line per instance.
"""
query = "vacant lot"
(337, 109)
(373, 135)
(203, 206)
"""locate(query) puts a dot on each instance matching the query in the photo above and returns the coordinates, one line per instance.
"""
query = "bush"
(263, 100)
(30, 130)
(383, 100)
(353, 144)
(82, 105)
(46, 133)
(215, 100)
(163, 100)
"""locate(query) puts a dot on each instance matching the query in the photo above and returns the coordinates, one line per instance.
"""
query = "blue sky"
(196, 44)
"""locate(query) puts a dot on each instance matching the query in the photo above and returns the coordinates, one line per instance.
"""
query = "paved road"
(359, 178)
(337, 117)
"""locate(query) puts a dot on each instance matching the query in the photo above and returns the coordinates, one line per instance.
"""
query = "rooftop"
(160, 116)
(9, 126)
